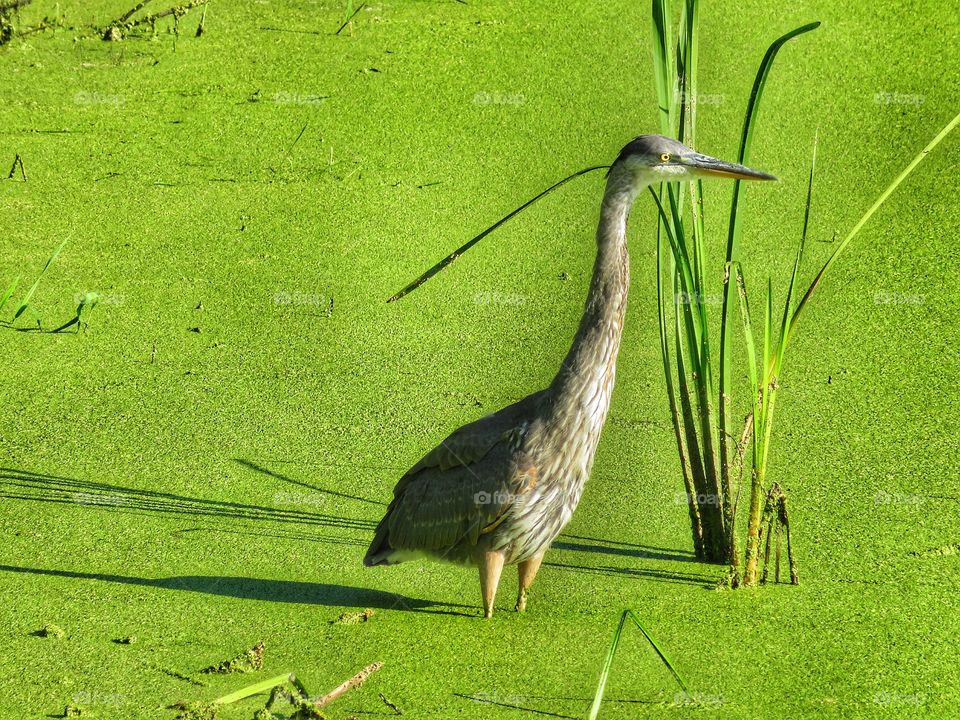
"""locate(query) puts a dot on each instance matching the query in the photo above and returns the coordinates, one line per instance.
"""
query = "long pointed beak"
(707, 166)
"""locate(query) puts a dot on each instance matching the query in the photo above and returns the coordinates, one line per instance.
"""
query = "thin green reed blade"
(611, 653)
(768, 328)
(697, 329)
(662, 65)
(607, 666)
(678, 425)
(665, 345)
(689, 100)
(697, 471)
(691, 61)
(746, 141)
(682, 73)
(8, 293)
(746, 137)
(767, 354)
(477, 238)
(679, 251)
(683, 288)
(254, 689)
(788, 303)
(747, 337)
(733, 237)
(867, 215)
(25, 302)
(663, 656)
(687, 53)
(687, 285)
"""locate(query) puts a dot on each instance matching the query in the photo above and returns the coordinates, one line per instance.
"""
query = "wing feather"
(457, 490)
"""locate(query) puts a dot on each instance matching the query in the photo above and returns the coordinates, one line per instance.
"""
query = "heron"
(499, 490)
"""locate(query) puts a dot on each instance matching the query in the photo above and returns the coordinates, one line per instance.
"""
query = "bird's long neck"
(580, 392)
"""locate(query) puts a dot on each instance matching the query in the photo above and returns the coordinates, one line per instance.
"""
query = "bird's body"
(501, 489)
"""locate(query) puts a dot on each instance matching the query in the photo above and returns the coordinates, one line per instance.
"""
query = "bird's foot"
(521, 602)
(488, 612)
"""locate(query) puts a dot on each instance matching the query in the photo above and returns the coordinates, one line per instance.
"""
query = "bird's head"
(649, 159)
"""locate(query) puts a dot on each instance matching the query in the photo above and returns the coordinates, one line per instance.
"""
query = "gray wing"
(460, 489)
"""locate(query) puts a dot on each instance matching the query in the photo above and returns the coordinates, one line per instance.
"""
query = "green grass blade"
(715, 452)
(254, 689)
(665, 358)
(746, 136)
(681, 331)
(607, 665)
(867, 215)
(611, 653)
(788, 303)
(733, 238)
(676, 245)
(8, 293)
(687, 285)
(768, 329)
(767, 357)
(692, 65)
(477, 238)
(681, 73)
(756, 483)
(663, 657)
(662, 65)
(25, 302)
(747, 335)
(662, 323)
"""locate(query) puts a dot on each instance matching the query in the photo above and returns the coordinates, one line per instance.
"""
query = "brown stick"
(785, 519)
(776, 530)
(178, 11)
(766, 550)
(767, 519)
(130, 13)
(741, 450)
(353, 682)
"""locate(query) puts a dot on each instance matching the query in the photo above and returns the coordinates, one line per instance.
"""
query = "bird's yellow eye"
(664, 157)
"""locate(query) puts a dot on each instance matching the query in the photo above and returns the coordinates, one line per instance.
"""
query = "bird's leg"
(491, 565)
(528, 571)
